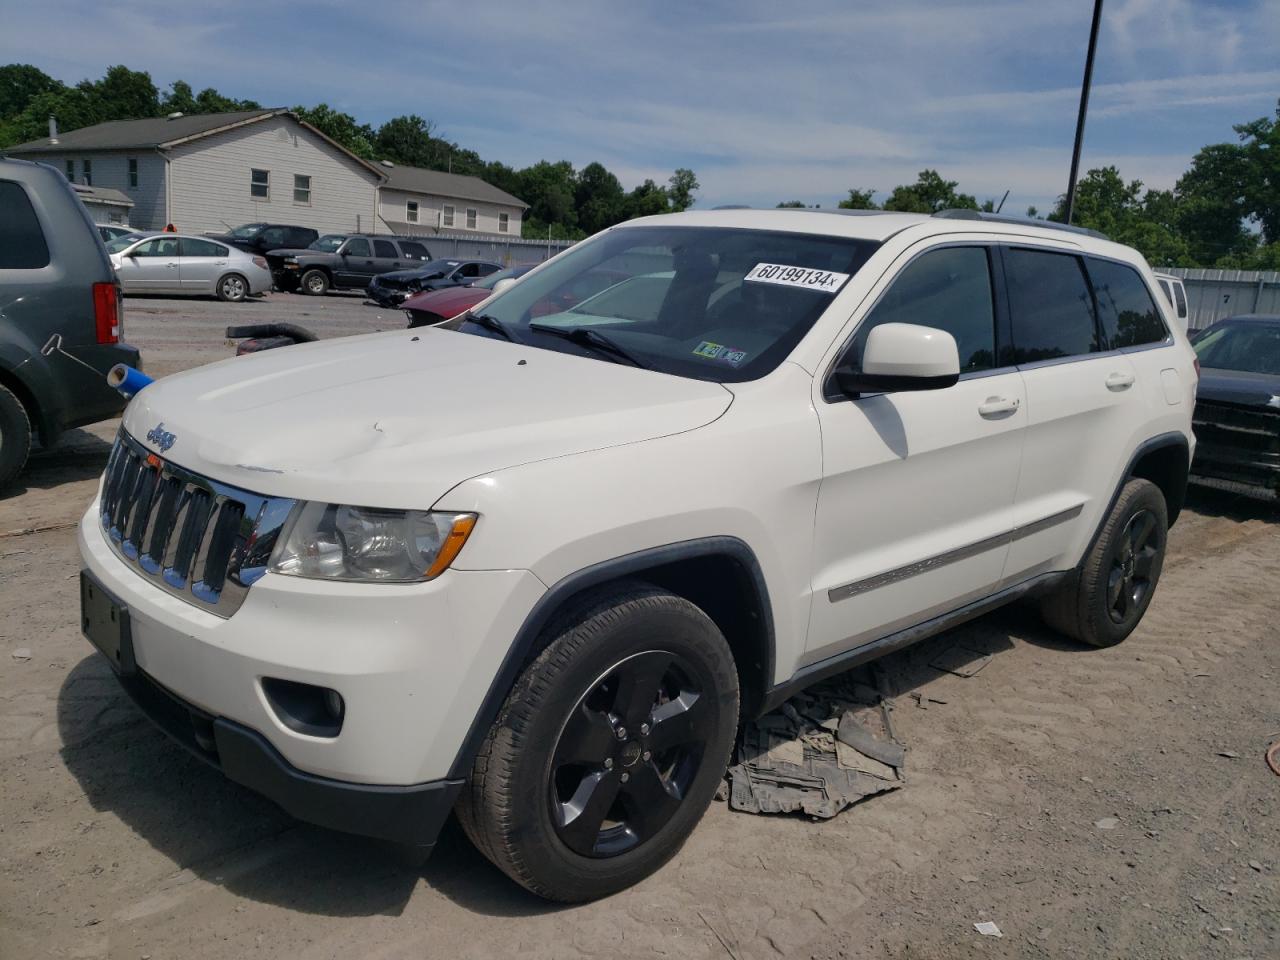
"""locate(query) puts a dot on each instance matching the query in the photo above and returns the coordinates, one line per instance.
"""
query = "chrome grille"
(200, 540)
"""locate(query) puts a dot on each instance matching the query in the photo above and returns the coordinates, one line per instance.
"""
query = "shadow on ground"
(78, 455)
(1211, 502)
(227, 835)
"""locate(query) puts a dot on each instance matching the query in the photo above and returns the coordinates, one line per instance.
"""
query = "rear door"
(153, 266)
(386, 257)
(916, 505)
(272, 238)
(203, 261)
(1082, 407)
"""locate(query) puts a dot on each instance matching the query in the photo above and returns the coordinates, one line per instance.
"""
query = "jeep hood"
(397, 419)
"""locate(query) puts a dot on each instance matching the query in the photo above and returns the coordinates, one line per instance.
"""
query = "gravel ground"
(115, 843)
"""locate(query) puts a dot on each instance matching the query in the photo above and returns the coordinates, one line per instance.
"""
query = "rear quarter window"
(22, 243)
(1128, 314)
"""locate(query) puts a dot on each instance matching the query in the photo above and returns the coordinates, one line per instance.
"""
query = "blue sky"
(765, 101)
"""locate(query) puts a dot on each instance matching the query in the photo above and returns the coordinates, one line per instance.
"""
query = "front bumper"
(412, 662)
(387, 296)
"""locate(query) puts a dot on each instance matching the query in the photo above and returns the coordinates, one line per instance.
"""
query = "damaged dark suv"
(343, 262)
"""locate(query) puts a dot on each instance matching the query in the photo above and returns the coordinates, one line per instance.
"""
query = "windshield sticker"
(824, 281)
(709, 350)
(733, 356)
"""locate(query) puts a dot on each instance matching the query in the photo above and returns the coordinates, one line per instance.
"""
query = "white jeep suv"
(534, 565)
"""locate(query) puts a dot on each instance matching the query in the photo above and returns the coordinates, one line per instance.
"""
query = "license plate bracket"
(105, 623)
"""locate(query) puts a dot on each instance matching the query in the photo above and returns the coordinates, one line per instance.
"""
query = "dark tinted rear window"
(414, 251)
(1051, 305)
(1128, 314)
(385, 249)
(22, 245)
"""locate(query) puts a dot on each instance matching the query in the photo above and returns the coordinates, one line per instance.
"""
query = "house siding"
(393, 208)
(112, 170)
(211, 179)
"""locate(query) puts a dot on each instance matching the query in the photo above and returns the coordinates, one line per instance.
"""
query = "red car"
(433, 306)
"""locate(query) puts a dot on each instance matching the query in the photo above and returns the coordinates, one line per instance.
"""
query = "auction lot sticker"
(824, 281)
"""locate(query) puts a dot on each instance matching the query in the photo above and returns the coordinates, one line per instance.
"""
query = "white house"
(212, 172)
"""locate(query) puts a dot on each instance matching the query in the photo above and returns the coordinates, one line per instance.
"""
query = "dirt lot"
(113, 842)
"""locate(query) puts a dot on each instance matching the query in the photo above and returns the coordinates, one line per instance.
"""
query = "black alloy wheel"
(1130, 579)
(627, 754)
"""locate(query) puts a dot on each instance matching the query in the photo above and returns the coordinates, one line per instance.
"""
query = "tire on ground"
(314, 282)
(1083, 607)
(506, 808)
(15, 436)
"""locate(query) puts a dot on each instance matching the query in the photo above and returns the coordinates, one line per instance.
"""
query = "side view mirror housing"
(900, 357)
(503, 284)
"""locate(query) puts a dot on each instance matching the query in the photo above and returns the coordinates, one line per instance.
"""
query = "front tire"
(15, 436)
(315, 283)
(609, 748)
(1105, 599)
(232, 288)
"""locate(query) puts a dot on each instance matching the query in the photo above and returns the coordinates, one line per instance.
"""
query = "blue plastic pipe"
(127, 380)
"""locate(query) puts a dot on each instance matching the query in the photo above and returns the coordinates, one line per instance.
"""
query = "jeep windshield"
(328, 243)
(705, 302)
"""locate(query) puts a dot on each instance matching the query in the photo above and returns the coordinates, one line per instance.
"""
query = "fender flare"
(524, 645)
(1173, 439)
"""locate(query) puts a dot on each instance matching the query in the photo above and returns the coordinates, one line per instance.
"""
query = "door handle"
(996, 407)
(1120, 381)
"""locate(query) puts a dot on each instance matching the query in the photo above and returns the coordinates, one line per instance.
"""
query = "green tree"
(859, 200)
(548, 188)
(645, 200)
(929, 194)
(1259, 176)
(342, 127)
(20, 83)
(792, 204)
(599, 198)
(408, 141)
(680, 189)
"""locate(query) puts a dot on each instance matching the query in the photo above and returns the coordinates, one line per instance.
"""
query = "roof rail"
(961, 214)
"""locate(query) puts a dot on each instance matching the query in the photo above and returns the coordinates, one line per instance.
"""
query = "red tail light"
(106, 312)
(261, 262)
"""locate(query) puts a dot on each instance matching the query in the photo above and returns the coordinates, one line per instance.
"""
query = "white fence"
(1214, 294)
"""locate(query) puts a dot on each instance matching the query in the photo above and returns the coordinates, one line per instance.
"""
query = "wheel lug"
(626, 777)
(646, 756)
(644, 729)
(608, 763)
(621, 732)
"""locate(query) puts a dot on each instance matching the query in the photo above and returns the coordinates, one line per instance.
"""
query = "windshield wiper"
(594, 339)
(489, 323)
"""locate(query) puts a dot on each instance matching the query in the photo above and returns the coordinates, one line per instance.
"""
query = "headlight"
(330, 541)
(290, 259)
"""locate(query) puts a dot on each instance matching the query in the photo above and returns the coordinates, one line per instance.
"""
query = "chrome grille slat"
(199, 540)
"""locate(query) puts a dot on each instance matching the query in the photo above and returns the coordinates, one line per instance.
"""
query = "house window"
(471, 218)
(446, 216)
(88, 172)
(260, 184)
(504, 222)
(71, 170)
(301, 189)
(133, 172)
(411, 211)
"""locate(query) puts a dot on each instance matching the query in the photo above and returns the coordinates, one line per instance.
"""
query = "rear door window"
(22, 243)
(191, 247)
(385, 249)
(1051, 306)
(1128, 314)
(272, 238)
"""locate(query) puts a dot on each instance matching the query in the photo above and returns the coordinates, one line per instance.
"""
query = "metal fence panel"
(501, 249)
(1214, 294)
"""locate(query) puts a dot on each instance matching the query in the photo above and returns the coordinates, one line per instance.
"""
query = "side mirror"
(903, 356)
(503, 284)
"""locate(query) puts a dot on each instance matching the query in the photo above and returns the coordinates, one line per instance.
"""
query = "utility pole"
(1084, 107)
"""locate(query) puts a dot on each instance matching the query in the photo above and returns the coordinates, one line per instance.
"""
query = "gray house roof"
(451, 185)
(145, 134)
(115, 198)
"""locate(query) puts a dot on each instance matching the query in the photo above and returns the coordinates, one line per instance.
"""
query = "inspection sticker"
(824, 281)
(712, 351)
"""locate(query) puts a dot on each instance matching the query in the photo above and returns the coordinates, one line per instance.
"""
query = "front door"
(915, 511)
(355, 263)
(153, 266)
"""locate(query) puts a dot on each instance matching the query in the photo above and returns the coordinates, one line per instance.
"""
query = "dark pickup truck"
(261, 237)
(349, 264)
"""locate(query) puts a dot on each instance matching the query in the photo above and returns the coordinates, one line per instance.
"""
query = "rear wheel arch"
(39, 418)
(719, 575)
(1166, 462)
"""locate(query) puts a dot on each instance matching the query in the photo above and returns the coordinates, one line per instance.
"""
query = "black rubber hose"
(300, 334)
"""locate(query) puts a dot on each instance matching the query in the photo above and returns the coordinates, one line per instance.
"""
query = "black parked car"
(392, 289)
(60, 314)
(261, 237)
(351, 264)
(1237, 415)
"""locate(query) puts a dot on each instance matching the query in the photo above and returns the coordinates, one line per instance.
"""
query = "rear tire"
(315, 283)
(1104, 600)
(232, 288)
(15, 436)
(609, 748)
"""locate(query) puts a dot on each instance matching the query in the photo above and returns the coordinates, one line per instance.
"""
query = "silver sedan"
(172, 264)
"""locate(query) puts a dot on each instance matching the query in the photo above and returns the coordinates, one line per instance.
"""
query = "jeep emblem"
(161, 437)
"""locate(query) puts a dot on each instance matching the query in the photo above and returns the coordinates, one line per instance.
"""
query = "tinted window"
(272, 237)
(157, 247)
(1180, 298)
(1128, 314)
(471, 270)
(414, 251)
(22, 245)
(191, 247)
(385, 249)
(949, 289)
(1248, 346)
(359, 247)
(1051, 306)
(300, 238)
